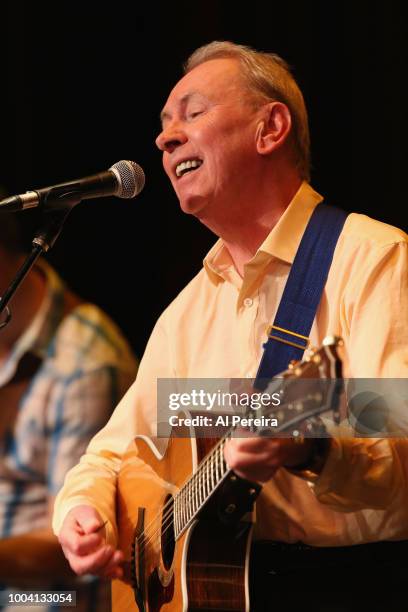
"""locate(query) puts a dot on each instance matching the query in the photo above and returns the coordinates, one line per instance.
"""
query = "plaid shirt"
(85, 367)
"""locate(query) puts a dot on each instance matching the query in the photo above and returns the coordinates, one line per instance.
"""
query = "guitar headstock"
(307, 389)
(324, 362)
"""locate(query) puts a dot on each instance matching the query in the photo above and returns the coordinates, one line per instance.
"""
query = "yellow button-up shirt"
(215, 328)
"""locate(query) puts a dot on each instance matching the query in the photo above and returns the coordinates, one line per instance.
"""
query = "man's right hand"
(83, 541)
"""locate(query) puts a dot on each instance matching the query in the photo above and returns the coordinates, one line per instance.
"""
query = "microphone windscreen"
(130, 177)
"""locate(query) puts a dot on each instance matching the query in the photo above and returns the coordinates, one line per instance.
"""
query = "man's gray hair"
(269, 77)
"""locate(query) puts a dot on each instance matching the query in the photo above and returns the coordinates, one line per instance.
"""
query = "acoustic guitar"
(184, 517)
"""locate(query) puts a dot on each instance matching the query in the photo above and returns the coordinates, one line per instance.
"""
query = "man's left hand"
(258, 458)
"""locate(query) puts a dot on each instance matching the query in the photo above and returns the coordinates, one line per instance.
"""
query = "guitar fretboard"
(198, 489)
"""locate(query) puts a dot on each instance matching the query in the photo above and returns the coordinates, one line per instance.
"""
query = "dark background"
(82, 87)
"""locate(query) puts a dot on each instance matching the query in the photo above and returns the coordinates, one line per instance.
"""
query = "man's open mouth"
(188, 166)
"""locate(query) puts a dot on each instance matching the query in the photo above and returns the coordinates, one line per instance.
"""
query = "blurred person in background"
(64, 365)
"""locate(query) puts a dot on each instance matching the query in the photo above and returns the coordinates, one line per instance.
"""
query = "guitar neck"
(199, 489)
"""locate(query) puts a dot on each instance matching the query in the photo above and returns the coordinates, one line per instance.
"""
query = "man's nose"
(171, 137)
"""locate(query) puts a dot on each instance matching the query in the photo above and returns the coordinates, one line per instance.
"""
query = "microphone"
(125, 179)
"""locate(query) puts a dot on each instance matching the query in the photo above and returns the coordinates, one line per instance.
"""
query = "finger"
(256, 473)
(254, 444)
(236, 454)
(117, 572)
(80, 544)
(84, 519)
(241, 460)
(93, 563)
(90, 523)
(258, 467)
(113, 568)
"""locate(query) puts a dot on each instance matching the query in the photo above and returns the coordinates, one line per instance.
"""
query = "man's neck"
(243, 245)
(243, 236)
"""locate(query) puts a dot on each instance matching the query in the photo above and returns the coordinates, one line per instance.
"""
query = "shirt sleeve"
(369, 472)
(77, 409)
(93, 480)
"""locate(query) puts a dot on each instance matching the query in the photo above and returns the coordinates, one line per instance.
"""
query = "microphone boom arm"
(42, 242)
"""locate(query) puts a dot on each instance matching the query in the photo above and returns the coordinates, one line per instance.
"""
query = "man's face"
(209, 139)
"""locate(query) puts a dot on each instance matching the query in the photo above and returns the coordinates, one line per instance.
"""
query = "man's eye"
(194, 114)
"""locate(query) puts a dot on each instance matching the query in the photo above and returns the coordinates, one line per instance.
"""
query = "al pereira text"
(225, 420)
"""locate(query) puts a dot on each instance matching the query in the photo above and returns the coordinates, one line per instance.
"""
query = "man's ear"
(274, 127)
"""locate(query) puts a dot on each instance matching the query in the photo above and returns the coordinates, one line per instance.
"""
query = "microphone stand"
(43, 241)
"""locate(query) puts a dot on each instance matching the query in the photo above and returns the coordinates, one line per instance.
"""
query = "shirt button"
(248, 302)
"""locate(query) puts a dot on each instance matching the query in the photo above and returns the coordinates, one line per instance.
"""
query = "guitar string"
(166, 519)
(187, 483)
(166, 524)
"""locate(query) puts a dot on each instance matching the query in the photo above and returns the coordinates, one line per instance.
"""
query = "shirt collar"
(282, 242)
(284, 239)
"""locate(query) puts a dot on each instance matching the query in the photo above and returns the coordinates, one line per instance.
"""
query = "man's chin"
(193, 206)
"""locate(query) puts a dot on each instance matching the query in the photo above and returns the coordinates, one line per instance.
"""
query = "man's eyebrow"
(182, 102)
(164, 115)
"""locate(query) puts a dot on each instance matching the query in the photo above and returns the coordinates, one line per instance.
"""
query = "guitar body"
(205, 569)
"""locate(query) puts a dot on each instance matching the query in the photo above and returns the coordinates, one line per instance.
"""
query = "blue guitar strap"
(288, 337)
